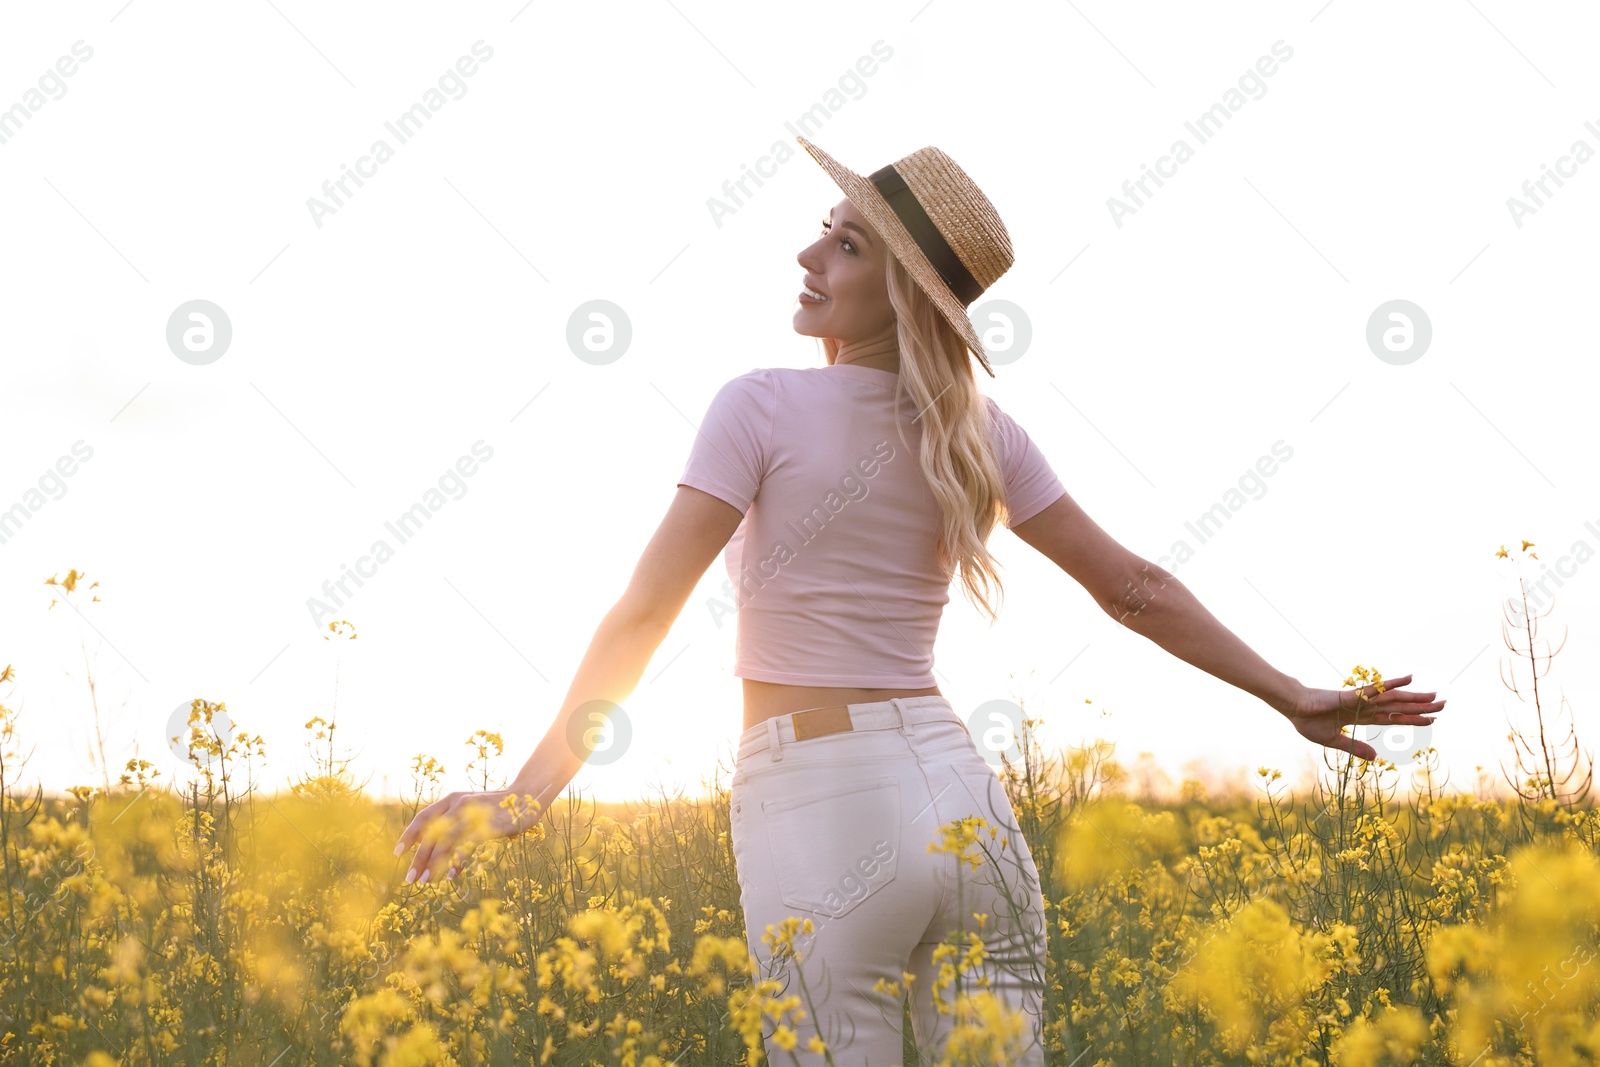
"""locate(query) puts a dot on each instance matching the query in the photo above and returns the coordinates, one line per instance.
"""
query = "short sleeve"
(1031, 483)
(729, 454)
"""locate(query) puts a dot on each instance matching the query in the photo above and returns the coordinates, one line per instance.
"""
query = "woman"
(848, 497)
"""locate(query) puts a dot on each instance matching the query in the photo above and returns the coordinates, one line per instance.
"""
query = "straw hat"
(939, 225)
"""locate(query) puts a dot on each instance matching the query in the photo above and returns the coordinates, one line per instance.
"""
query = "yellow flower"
(1104, 838)
(1396, 1036)
(732, 952)
(781, 939)
(1256, 967)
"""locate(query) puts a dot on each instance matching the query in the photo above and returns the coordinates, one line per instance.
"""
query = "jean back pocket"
(832, 848)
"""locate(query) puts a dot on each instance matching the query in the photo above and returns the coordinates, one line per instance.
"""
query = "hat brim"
(860, 191)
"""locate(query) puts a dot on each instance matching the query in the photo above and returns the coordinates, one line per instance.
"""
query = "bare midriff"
(763, 700)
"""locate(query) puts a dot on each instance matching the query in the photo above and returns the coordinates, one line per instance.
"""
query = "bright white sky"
(1170, 348)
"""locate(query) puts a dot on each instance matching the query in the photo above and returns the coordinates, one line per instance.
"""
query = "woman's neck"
(882, 353)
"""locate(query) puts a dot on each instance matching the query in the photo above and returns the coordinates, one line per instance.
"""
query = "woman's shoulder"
(1006, 433)
(758, 375)
(770, 380)
(753, 389)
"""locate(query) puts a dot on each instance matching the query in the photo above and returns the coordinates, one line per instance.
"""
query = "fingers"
(432, 863)
(1398, 696)
(448, 840)
(1390, 685)
(1360, 749)
(419, 866)
(1406, 697)
(1394, 693)
(1426, 711)
(422, 863)
(424, 851)
(409, 835)
(1347, 743)
(447, 832)
(436, 834)
(1385, 713)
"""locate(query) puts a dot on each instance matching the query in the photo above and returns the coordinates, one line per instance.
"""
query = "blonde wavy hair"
(956, 455)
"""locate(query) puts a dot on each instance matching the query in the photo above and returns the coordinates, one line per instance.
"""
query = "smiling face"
(848, 265)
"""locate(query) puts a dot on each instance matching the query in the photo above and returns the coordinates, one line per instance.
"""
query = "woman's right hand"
(1319, 714)
(448, 831)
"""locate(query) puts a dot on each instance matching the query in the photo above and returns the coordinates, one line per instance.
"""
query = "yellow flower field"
(1355, 925)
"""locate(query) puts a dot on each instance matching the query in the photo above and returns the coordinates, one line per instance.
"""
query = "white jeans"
(836, 828)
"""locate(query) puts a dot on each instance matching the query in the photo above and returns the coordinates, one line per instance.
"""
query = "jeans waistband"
(896, 713)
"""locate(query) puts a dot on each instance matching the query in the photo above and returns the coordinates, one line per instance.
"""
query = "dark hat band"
(892, 187)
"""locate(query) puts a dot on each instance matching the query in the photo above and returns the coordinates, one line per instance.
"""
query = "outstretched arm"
(695, 529)
(1153, 603)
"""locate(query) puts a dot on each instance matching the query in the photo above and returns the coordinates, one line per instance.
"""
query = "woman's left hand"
(448, 830)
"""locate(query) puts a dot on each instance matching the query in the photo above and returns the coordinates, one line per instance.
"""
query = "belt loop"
(773, 742)
(905, 723)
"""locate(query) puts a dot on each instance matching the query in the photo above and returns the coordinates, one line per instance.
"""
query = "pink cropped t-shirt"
(834, 568)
